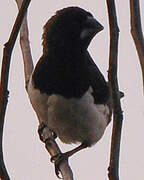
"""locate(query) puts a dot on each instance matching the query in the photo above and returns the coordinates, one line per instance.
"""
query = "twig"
(25, 47)
(53, 149)
(4, 80)
(50, 145)
(136, 31)
(112, 75)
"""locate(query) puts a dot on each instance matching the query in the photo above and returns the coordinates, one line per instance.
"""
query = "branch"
(50, 144)
(112, 76)
(136, 31)
(4, 80)
(53, 150)
(25, 47)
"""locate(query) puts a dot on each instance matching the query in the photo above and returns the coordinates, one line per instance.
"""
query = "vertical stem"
(50, 145)
(136, 31)
(112, 76)
(4, 81)
(25, 47)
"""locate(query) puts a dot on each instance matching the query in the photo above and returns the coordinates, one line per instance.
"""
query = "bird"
(67, 90)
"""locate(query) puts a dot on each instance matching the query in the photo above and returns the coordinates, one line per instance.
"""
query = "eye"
(89, 17)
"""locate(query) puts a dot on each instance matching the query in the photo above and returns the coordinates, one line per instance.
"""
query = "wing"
(98, 83)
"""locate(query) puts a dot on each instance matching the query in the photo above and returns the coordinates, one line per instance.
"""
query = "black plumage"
(66, 67)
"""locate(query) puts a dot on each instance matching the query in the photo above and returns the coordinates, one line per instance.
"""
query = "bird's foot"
(41, 128)
(61, 157)
(57, 160)
(42, 135)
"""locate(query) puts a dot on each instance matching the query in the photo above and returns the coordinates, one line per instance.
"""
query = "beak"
(91, 28)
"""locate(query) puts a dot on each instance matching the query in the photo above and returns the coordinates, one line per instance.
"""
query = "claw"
(40, 131)
(57, 160)
(61, 157)
(54, 135)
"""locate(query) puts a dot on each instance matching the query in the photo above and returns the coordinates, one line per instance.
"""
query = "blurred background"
(25, 155)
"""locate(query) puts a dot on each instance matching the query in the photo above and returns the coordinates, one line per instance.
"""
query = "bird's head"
(71, 28)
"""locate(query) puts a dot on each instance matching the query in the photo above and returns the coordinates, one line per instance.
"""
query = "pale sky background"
(25, 155)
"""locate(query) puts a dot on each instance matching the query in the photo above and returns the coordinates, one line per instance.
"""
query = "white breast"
(77, 120)
(73, 120)
(39, 102)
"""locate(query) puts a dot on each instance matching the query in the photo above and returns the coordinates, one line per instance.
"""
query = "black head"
(71, 28)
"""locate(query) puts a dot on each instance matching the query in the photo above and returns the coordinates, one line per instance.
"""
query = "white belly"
(73, 120)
